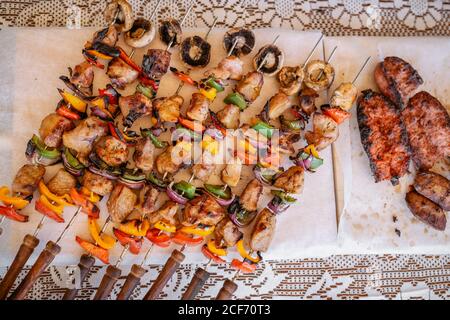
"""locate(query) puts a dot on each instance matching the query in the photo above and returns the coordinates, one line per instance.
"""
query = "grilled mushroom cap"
(141, 34)
(170, 31)
(318, 75)
(245, 41)
(274, 58)
(195, 51)
(123, 19)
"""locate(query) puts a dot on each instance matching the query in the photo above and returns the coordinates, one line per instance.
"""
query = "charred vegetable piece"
(11, 213)
(134, 243)
(97, 251)
(119, 13)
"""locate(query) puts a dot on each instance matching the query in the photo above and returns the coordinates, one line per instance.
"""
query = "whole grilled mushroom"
(120, 13)
(141, 34)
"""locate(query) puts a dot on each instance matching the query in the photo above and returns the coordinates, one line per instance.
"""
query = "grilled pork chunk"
(61, 183)
(97, 183)
(226, 233)
(27, 179)
(204, 210)
(82, 138)
(121, 202)
(263, 231)
(121, 73)
(52, 128)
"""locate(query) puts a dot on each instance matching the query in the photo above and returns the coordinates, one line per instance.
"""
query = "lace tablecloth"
(336, 277)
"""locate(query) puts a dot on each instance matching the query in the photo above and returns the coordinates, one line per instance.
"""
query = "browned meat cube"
(263, 231)
(121, 202)
(250, 196)
(291, 180)
(52, 128)
(97, 183)
(27, 179)
(204, 210)
(226, 233)
(62, 182)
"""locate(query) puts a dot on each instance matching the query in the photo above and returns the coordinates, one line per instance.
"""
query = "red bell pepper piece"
(42, 208)
(112, 97)
(67, 113)
(183, 76)
(82, 201)
(192, 125)
(157, 237)
(149, 82)
(211, 256)
(11, 213)
(135, 244)
(337, 114)
(243, 266)
(97, 251)
(182, 238)
(92, 60)
(124, 56)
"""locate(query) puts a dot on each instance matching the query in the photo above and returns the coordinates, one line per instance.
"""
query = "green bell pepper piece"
(236, 99)
(185, 189)
(44, 151)
(219, 191)
(264, 128)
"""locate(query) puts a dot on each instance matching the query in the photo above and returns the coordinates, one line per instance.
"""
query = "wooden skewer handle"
(228, 288)
(85, 265)
(43, 261)
(197, 282)
(111, 276)
(132, 281)
(166, 273)
(26, 249)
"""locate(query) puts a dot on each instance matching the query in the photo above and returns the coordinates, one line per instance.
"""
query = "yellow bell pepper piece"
(210, 94)
(217, 251)
(135, 227)
(165, 227)
(73, 100)
(62, 201)
(210, 145)
(58, 208)
(247, 146)
(202, 232)
(244, 254)
(105, 241)
(92, 196)
(16, 202)
(311, 149)
(98, 54)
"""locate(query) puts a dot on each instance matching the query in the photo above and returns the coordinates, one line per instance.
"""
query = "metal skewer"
(361, 69)
(181, 24)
